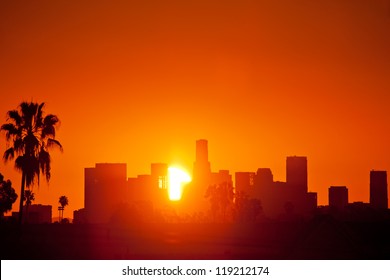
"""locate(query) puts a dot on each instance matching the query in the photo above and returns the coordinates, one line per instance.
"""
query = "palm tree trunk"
(26, 218)
(21, 199)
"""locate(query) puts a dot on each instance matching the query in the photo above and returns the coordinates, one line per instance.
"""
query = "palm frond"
(31, 170)
(39, 118)
(44, 163)
(25, 110)
(15, 116)
(9, 154)
(31, 143)
(48, 131)
(54, 143)
(19, 163)
(10, 129)
(50, 120)
(29, 165)
(49, 124)
(24, 107)
(29, 110)
(19, 145)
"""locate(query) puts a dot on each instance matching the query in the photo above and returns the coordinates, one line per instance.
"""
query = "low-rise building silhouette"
(338, 197)
(105, 190)
(278, 198)
(36, 214)
(149, 189)
(244, 182)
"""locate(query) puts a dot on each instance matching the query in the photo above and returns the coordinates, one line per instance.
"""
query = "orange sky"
(140, 81)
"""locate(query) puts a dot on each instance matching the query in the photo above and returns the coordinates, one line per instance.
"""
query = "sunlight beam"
(177, 178)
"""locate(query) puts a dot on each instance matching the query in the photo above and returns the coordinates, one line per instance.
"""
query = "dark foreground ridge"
(321, 238)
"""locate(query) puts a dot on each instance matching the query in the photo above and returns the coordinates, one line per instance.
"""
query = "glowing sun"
(176, 178)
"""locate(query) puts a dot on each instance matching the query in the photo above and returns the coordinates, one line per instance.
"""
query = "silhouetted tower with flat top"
(104, 190)
(264, 178)
(378, 189)
(296, 173)
(338, 197)
(193, 197)
(202, 168)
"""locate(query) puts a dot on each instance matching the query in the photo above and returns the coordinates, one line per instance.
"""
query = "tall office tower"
(378, 189)
(338, 197)
(202, 168)
(193, 196)
(201, 151)
(296, 173)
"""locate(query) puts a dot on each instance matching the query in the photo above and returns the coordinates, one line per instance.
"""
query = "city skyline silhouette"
(289, 102)
(107, 188)
(149, 192)
(241, 182)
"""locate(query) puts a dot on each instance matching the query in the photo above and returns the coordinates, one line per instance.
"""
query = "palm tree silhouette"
(29, 197)
(63, 201)
(29, 136)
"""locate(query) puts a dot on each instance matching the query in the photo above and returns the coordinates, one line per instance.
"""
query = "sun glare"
(177, 177)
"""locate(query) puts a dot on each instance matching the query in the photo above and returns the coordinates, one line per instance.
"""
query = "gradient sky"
(139, 81)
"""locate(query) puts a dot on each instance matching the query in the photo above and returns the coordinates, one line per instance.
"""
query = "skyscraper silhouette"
(201, 151)
(202, 169)
(378, 189)
(296, 173)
